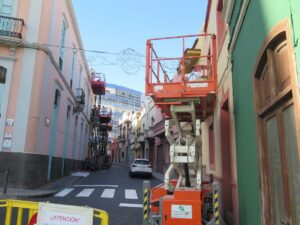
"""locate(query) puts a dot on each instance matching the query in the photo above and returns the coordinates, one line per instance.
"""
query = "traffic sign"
(33, 219)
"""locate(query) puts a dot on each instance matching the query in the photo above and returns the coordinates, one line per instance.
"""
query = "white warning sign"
(182, 211)
(54, 214)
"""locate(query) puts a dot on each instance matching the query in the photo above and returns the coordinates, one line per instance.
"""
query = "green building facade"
(265, 35)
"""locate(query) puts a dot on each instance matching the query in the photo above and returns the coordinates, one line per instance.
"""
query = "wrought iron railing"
(149, 133)
(159, 127)
(11, 27)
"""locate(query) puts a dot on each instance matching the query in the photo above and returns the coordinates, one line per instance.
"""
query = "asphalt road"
(111, 190)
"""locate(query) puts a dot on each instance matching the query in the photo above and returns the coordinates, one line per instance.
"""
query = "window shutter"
(293, 160)
(275, 170)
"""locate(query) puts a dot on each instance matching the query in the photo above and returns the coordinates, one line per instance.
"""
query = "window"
(80, 74)
(73, 65)
(84, 90)
(88, 102)
(68, 111)
(152, 121)
(142, 162)
(2, 75)
(62, 45)
(2, 85)
(221, 26)
(275, 107)
(6, 7)
(124, 132)
(56, 98)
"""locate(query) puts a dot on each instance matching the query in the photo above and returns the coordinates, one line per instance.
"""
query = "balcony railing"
(149, 133)
(11, 27)
(159, 127)
(140, 137)
(80, 96)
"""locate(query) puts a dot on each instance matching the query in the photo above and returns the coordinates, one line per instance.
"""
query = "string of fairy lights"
(130, 61)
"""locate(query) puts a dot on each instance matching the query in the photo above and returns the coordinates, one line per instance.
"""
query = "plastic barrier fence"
(25, 212)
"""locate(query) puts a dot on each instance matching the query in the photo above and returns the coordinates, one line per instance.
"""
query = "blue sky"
(114, 26)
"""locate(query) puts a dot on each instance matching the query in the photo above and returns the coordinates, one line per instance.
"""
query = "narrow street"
(111, 190)
(201, 94)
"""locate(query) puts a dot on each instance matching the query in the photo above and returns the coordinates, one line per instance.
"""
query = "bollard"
(5, 183)
(216, 203)
(146, 192)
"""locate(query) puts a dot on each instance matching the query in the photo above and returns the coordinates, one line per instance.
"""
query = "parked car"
(140, 167)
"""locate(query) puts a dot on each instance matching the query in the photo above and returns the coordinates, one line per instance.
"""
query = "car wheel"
(130, 174)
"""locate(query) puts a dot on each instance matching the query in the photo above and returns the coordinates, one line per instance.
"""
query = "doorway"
(226, 187)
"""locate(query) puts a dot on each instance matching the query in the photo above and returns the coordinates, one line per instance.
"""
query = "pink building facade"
(43, 79)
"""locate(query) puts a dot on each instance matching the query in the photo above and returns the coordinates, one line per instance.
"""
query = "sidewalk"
(43, 191)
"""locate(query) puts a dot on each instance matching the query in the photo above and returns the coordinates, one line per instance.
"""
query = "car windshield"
(142, 162)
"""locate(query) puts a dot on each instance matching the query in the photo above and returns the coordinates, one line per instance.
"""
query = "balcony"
(140, 137)
(123, 144)
(159, 127)
(122, 138)
(11, 27)
(80, 96)
(149, 133)
(132, 140)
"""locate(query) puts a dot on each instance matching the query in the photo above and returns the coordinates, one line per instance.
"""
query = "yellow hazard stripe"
(216, 206)
(216, 195)
(145, 203)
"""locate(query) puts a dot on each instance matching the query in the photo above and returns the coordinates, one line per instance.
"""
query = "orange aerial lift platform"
(101, 125)
(186, 99)
(98, 83)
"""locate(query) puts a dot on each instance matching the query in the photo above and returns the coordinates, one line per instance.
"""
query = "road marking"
(108, 193)
(81, 174)
(130, 194)
(64, 192)
(86, 192)
(96, 185)
(131, 205)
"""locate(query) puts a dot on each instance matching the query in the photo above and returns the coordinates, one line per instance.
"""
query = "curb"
(42, 192)
(29, 195)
